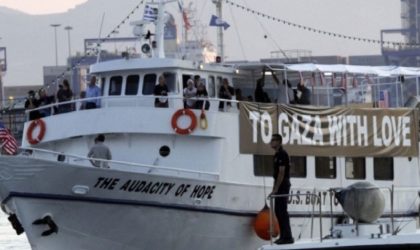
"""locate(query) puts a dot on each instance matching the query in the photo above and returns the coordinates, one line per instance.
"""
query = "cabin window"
(298, 166)
(383, 168)
(325, 167)
(185, 78)
(170, 81)
(149, 82)
(132, 85)
(211, 87)
(263, 165)
(115, 85)
(356, 168)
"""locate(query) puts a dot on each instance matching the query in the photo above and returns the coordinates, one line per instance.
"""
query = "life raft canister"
(189, 129)
(203, 120)
(29, 133)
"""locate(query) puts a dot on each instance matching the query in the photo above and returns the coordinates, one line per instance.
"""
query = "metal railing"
(315, 196)
(137, 101)
(116, 165)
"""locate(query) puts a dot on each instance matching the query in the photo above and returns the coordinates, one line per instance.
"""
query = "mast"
(220, 49)
(159, 29)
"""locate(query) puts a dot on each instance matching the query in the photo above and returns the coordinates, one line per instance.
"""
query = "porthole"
(164, 151)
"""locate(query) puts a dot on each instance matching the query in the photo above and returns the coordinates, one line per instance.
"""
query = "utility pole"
(55, 39)
(69, 28)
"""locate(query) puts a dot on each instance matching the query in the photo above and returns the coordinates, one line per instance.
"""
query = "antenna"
(220, 49)
(99, 38)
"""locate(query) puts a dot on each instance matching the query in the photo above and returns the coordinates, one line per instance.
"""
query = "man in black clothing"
(281, 186)
(260, 95)
(302, 94)
(225, 92)
(161, 90)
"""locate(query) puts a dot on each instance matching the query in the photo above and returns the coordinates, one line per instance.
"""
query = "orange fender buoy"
(29, 133)
(189, 129)
(262, 224)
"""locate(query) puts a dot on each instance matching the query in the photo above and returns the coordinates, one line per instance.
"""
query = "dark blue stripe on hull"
(170, 206)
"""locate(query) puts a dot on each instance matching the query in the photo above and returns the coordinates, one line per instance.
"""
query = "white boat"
(186, 179)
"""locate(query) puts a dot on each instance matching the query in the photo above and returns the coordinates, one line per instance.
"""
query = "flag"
(216, 21)
(187, 23)
(8, 142)
(150, 13)
(383, 99)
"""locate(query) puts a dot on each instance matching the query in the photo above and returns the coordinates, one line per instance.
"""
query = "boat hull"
(106, 209)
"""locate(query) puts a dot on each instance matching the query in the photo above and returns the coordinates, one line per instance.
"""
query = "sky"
(248, 38)
(39, 7)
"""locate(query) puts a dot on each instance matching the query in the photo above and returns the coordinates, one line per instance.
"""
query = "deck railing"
(83, 161)
(137, 101)
(331, 192)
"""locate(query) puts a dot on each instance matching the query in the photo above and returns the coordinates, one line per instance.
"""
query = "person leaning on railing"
(64, 94)
(100, 151)
(93, 91)
(161, 89)
(225, 92)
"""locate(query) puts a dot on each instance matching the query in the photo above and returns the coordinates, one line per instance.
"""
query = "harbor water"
(9, 240)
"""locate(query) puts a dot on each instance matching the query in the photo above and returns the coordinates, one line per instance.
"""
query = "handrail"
(273, 197)
(151, 167)
(316, 196)
(151, 97)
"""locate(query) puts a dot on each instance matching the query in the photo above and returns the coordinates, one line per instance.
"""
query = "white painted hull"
(117, 213)
(123, 219)
(88, 226)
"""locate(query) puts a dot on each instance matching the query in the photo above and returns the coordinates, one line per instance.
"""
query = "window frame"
(120, 83)
(127, 84)
(318, 160)
(378, 164)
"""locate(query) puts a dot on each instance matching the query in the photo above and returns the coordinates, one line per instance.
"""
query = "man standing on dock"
(281, 186)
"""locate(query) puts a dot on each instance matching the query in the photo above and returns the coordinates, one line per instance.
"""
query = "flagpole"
(159, 29)
(220, 49)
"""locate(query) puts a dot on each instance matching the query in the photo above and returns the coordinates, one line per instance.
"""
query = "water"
(9, 240)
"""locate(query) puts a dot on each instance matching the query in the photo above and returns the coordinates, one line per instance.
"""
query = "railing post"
(320, 218)
(392, 209)
(271, 217)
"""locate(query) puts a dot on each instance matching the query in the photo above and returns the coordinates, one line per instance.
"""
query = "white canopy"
(355, 69)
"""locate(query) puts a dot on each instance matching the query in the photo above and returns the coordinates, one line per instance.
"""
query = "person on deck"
(225, 92)
(64, 94)
(190, 92)
(202, 93)
(281, 186)
(259, 94)
(100, 151)
(302, 94)
(32, 103)
(93, 91)
(161, 90)
(44, 100)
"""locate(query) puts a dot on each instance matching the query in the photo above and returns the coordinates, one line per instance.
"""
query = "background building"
(409, 53)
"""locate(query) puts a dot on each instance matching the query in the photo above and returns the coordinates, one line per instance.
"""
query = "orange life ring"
(32, 126)
(189, 129)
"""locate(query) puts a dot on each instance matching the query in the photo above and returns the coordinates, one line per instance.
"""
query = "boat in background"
(184, 178)
(363, 230)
